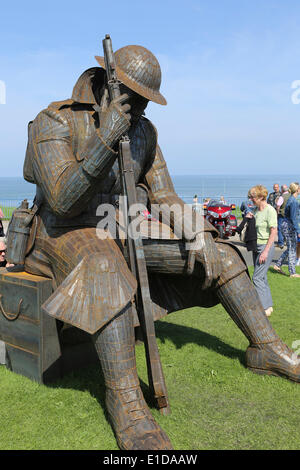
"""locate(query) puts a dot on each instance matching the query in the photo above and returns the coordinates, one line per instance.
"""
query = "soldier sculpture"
(72, 158)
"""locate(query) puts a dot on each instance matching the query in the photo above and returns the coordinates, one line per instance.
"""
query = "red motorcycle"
(218, 213)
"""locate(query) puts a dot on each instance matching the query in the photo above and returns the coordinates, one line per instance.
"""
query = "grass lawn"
(7, 211)
(216, 402)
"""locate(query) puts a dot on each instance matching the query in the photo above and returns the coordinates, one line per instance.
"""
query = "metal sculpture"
(72, 157)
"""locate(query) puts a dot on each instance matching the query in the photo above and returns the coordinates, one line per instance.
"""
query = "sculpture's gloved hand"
(204, 250)
(114, 119)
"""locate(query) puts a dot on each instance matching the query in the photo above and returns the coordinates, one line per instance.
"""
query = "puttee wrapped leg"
(266, 354)
(133, 424)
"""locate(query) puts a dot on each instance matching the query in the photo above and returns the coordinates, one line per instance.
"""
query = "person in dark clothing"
(251, 234)
(2, 234)
(247, 206)
(274, 196)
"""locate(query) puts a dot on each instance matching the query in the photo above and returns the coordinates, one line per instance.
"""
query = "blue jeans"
(260, 276)
(280, 235)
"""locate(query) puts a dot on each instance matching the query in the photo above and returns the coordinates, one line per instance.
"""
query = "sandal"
(269, 311)
(278, 270)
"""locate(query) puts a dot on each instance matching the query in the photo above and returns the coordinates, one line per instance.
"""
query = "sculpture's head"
(140, 75)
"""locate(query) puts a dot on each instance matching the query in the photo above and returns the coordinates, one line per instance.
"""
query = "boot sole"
(270, 372)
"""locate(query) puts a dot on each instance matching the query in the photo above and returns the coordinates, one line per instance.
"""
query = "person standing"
(298, 241)
(291, 232)
(266, 228)
(250, 239)
(195, 202)
(280, 207)
(247, 206)
(274, 195)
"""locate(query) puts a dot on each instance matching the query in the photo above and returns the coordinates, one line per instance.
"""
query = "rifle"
(137, 260)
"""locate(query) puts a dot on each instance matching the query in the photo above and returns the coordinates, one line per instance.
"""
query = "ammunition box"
(37, 345)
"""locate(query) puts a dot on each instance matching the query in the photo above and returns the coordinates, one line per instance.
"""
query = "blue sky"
(227, 67)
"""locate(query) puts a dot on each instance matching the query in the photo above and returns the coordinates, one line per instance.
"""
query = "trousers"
(291, 240)
(260, 278)
(279, 229)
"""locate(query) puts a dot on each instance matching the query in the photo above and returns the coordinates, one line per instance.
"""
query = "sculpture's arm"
(67, 184)
(162, 192)
(201, 234)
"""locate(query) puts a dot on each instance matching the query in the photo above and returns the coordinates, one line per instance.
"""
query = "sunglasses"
(2, 251)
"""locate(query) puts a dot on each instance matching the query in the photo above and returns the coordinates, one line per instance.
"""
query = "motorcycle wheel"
(221, 232)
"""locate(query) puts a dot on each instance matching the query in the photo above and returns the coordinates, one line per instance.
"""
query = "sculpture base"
(36, 345)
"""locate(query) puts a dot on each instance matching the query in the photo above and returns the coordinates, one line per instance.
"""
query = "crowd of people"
(264, 218)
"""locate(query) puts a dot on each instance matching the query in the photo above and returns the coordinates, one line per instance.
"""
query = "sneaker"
(295, 275)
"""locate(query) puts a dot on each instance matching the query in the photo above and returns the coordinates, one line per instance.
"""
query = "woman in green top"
(266, 227)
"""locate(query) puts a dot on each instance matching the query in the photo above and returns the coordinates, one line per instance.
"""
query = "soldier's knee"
(232, 263)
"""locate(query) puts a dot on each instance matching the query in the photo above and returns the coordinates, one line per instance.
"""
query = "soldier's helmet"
(139, 70)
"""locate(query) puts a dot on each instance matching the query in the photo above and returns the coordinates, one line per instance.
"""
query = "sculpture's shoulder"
(52, 121)
(148, 128)
(50, 124)
(146, 132)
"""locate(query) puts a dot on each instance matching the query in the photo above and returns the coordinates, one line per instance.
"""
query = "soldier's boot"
(266, 354)
(133, 424)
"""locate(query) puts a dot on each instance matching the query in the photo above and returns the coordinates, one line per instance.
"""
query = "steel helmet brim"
(151, 95)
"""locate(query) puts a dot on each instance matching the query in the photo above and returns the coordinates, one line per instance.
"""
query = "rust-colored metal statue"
(72, 157)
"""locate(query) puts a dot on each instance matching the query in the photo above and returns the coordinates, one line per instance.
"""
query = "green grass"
(216, 402)
(7, 211)
(237, 212)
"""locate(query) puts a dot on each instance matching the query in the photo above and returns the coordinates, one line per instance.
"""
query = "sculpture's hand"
(114, 118)
(206, 253)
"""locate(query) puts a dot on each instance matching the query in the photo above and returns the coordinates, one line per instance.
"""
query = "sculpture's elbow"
(63, 207)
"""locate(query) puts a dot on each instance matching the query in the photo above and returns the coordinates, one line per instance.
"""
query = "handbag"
(243, 232)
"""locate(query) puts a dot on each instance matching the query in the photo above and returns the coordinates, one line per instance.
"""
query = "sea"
(234, 188)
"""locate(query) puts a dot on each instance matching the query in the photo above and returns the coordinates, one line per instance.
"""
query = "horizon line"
(201, 174)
